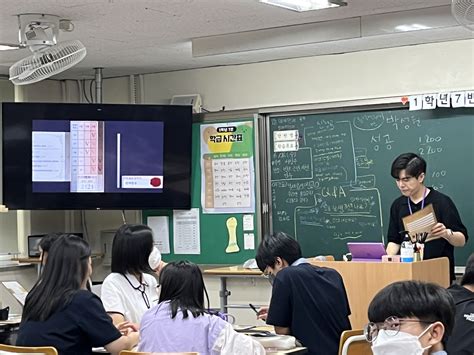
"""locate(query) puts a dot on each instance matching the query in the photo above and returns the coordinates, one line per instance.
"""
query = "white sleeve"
(229, 342)
(153, 292)
(112, 298)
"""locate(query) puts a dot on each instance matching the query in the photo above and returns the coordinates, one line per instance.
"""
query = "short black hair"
(131, 248)
(182, 285)
(412, 163)
(48, 240)
(404, 299)
(468, 277)
(275, 245)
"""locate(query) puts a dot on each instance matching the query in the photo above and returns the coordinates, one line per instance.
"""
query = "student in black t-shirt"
(60, 312)
(461, 341)
(308, 302)
(409, 171)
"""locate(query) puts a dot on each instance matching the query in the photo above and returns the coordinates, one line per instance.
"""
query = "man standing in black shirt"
(308, 302)
(409, 171)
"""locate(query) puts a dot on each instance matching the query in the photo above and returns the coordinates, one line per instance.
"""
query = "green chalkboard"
(214, 235)
(337, 186)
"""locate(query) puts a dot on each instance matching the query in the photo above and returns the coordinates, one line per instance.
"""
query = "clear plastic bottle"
(406, 250)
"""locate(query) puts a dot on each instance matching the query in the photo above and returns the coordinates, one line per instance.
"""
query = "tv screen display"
(96, 156)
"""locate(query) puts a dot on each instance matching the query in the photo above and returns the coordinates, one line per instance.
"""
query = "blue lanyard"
(422, 201)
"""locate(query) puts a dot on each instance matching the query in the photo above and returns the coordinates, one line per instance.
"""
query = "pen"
(253, 307)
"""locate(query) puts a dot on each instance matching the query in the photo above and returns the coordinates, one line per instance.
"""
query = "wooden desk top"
(237, 270)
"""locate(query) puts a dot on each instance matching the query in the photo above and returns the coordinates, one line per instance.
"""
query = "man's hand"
(439, 230)
(262, 313)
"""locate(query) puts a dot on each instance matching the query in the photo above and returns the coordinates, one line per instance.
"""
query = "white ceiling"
(133, 37)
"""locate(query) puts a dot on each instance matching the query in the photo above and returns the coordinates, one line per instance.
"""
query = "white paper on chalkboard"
(248, 222)
(186, 231)
(249, 241)
(161, 235)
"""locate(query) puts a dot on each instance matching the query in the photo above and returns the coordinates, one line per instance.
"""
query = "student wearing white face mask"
(410, 318)
(131, 289)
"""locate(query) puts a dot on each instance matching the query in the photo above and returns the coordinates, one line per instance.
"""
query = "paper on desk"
(421, 221)
(186, 231)
(161, 235)
(16, 290)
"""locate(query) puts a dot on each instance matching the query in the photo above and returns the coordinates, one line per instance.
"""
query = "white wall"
(370, 74)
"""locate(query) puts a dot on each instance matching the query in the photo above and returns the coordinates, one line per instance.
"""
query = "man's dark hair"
(182, 285)
(276, 245)
(407, 299)
(64, 273)
(468, 277)
(131, 248)
(413, 164)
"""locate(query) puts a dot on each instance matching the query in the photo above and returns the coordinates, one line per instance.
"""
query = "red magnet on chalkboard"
(404, 100)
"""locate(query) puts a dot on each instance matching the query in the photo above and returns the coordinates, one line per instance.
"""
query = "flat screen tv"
(96, 156)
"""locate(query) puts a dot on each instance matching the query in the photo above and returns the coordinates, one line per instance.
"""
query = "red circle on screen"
(155, 182)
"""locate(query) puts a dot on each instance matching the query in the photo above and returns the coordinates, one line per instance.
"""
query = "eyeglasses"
(404, 179)
(391, 326)
(268, 275)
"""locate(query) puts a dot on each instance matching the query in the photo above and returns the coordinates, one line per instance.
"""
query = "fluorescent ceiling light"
(305, 5)
(8, 47)
(413, 27)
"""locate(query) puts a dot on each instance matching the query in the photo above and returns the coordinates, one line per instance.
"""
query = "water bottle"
(406, 250)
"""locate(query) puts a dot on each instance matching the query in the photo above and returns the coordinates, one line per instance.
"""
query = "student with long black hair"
(130, 290)
(180, 322)
(60, 312)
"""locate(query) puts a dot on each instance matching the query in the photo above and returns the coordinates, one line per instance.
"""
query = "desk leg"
(223, 294)
(38, 269)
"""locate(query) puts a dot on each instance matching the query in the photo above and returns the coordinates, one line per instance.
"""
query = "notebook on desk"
(367, 251)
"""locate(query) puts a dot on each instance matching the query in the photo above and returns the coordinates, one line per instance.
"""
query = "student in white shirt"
(130, 290)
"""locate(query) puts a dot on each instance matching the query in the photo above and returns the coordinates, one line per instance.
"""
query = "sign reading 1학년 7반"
(227, 163)
(443, 99)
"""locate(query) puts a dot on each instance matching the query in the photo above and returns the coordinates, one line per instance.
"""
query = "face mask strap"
(423, 333)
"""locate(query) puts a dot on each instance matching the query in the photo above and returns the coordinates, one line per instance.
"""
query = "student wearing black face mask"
(308, 302)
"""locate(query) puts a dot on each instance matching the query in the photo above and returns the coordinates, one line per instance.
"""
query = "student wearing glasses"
(60, 312)
(131, 289)
(409, 172)
(410, 317)
(308, 302)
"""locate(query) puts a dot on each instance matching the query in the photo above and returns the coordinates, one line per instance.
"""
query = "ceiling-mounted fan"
(39, 32)
(463, 12)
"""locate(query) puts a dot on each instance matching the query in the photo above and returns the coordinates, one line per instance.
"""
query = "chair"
(353, 342)
(43, 350)
(131, 352)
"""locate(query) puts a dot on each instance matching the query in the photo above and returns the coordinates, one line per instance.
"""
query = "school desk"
(361, 279)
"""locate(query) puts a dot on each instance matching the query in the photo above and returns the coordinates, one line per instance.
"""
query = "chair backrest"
(130, 352)
(353, 342)
(42, 350)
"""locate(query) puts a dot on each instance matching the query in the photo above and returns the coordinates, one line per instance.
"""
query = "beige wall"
(360, 75)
